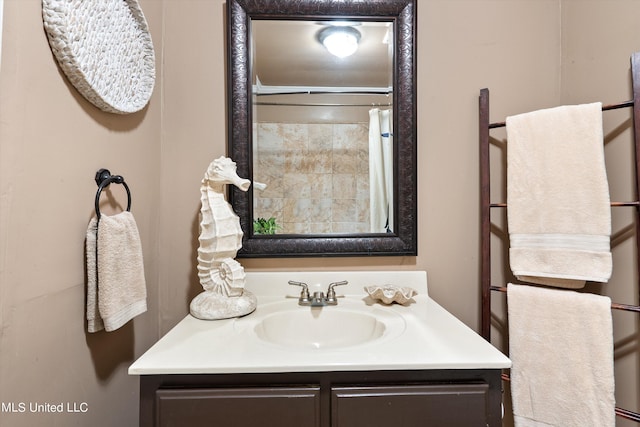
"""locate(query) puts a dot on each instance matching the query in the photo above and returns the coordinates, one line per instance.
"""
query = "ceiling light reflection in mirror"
(340, 41)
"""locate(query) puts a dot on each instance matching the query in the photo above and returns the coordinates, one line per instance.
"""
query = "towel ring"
(103, 179)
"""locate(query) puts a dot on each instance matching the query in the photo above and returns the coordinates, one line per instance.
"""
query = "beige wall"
(530, 53)
(52, 142)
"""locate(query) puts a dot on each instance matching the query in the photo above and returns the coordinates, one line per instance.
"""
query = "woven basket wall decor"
(105, 50)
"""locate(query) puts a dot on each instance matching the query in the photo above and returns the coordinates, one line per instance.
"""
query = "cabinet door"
(408, 406)
(239, 407)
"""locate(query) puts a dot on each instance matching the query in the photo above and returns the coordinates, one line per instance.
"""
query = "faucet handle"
(331, 293)
(304, 293)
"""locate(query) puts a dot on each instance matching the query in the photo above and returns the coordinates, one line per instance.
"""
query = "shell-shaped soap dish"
(389, 294)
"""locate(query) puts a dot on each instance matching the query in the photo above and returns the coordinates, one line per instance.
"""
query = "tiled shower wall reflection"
(317, 176)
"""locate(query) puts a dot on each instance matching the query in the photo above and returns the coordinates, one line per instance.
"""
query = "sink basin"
(349, 324)
(319, 328)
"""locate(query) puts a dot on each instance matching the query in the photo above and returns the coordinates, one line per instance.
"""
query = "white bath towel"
(559, 212)
(116, 288)
(561, 347)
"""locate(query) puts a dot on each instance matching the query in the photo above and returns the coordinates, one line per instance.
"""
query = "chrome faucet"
(304, 293)
(318, 299)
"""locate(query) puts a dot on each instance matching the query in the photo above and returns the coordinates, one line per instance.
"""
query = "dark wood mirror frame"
(402, 13)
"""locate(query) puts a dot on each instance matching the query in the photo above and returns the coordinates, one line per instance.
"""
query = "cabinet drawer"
(446, 405)
(239, 407)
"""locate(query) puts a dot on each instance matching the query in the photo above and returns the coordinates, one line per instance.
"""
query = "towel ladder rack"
(485, 205)
(614, 306)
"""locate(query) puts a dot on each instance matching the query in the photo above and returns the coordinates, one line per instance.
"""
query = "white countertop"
(432, 338)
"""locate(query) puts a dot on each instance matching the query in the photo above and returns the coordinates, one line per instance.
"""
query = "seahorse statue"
(221, 276)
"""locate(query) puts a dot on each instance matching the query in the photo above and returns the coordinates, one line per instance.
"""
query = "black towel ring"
(103, 179)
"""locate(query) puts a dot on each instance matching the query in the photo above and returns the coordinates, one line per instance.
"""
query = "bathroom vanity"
(358, 363)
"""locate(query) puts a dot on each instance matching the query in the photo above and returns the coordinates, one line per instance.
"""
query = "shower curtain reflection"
(381, 170)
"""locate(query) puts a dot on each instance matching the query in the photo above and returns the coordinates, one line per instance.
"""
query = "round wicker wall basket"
(105, 50)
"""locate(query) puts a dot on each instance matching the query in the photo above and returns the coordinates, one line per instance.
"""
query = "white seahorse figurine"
(221, 276)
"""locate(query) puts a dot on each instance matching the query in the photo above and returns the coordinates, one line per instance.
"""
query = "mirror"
(329, 141)
(317, 167)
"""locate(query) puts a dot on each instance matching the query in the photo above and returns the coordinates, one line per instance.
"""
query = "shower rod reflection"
(264, 90)
(349, 92)
(293, 104)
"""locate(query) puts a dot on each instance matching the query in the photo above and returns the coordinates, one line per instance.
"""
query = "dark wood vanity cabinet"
(410, 405)
(238, 406)
(428, 398)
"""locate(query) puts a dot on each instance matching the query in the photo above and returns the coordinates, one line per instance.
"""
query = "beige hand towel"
(116, 288)
(559, 213)
(561, 347)
(93, 314)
